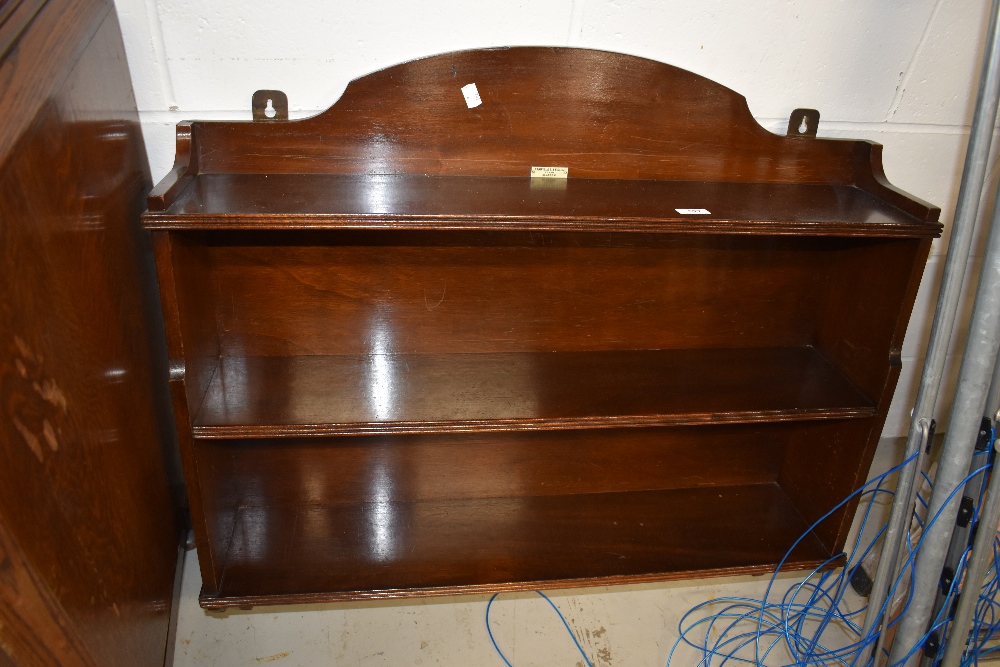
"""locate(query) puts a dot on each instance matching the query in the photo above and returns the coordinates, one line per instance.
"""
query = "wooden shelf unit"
(402, 367)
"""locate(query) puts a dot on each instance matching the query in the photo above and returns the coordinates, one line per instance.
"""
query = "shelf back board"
(297, 293)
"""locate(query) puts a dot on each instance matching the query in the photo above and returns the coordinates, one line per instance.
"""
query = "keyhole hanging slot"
(803, 123)
(269, 105)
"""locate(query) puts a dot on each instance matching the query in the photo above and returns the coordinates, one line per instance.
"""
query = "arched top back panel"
(599, 114)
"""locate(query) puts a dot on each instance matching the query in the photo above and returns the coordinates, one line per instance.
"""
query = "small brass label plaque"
(550, 172)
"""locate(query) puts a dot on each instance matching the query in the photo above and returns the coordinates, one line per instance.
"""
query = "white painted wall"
(895, 71)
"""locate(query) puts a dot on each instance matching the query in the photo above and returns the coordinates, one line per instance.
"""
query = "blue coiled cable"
(817, 600)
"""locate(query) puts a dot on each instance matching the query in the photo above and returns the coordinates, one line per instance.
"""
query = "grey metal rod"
(982, 552)
(993, 400)
(893, 568)
(963, 427)
(963, 225)
(960, 537)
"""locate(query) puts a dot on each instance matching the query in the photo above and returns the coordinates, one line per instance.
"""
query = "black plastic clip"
(932, 646)
(930, 436)
(947, 576)
(861, 582)
(965, 511)
(983, 439)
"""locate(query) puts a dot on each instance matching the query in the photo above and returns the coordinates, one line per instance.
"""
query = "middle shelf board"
(261, 397)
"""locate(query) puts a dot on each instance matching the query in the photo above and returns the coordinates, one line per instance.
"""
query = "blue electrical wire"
(558, 613)
(818, 599)
(568, 629)
(986, 622)
(780, 621)
(773, 623)
(490, 631)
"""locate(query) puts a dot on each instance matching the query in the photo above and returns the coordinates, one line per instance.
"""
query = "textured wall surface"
(900, 72)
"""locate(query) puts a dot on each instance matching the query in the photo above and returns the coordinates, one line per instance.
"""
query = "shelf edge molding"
(518, 425)
(223, 602)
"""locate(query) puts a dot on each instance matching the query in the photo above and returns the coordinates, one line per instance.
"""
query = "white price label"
(472, 98)
(693, 211)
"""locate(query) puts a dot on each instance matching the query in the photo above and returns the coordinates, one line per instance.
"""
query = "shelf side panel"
(865, 309)
(193, 351)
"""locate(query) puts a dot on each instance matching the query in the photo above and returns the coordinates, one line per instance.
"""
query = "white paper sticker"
(693, 211)
(472, 98)
(550, 172)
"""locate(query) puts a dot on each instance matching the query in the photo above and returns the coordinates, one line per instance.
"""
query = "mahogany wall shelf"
(401, 366)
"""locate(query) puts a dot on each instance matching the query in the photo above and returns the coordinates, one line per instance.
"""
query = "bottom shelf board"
(321, 553)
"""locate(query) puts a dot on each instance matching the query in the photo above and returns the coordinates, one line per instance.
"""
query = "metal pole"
(966, 211)
(963, 427)
(961, 536)
(982, 551)
(993, 400)
(960, 539)
(926, 433)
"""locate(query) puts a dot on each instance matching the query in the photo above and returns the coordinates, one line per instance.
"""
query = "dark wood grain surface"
(15, 16)
(314, 201)
(337, 470)
(87, 517)
(305, 293)
(350, 395)
(35, 628)
(392, 549)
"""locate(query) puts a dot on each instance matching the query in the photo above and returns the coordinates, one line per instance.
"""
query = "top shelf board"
(403, 148)
(329, 201)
